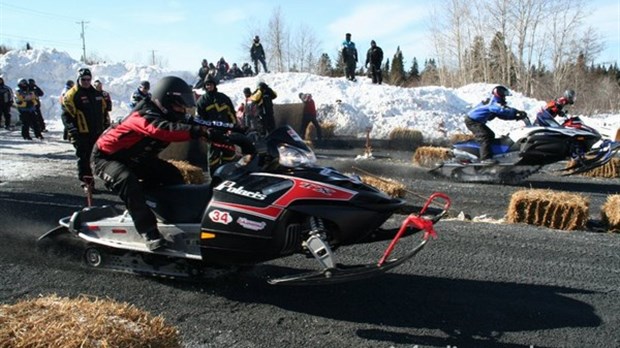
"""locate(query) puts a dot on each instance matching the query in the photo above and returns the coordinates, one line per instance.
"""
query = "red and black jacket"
(144, 133)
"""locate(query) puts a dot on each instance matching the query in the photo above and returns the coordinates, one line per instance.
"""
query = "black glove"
(73, 134)
(521, 115)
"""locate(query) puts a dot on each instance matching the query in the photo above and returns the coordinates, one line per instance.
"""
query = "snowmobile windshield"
(289, 148)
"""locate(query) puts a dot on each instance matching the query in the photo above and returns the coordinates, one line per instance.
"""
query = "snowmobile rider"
(487, 110)
(555, 108)
(126, 154)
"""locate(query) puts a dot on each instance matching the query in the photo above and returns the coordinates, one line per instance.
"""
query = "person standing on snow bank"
(6, 101)
(349, 57)
(84, 119)
(126, 155)
(555, 108)
(374, 57)
(257, 54)
(487, 110)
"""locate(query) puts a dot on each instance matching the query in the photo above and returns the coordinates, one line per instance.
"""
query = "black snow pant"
(349, 69)
(484, 135)
(5, 110)
(305, 121)
(375, 74)
(28, 121)
(83, 145)
(129, 179)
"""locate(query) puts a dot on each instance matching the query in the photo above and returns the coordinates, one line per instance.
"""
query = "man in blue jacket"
(487, 110)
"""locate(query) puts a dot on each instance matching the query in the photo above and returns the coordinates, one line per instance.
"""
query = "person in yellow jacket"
(83, 116)
(263, 98)
(26, 103)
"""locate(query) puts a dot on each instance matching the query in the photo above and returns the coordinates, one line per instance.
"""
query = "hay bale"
(191, 174)
(459, 137)
(405, 138)
(559, 210)
(610, 213)
(389, 186)
(609, 170)
(82, 322)
(327, 130)
(429, 156)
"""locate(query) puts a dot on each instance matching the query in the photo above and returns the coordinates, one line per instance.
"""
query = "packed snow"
(353, 106)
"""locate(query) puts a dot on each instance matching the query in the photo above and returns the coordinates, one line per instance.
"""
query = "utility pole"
(83, 41)
(152, 57)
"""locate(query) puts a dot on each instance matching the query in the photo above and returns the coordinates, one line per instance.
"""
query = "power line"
(37, 12)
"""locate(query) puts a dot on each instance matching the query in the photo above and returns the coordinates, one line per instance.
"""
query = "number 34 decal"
(220, 217)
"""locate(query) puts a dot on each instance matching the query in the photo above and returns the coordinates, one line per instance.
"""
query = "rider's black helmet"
(569, 95)
(172, 90)
(501, 92)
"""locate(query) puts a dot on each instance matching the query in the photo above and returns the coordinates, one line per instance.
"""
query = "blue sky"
(185, 32)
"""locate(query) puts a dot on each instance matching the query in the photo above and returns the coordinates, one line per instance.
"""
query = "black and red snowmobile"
(276, 204)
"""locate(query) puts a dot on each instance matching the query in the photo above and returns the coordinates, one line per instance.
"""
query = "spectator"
(108, 102)
(263, 98)
(349, 57)
(6, 101)
(246, 111)
(217, 106)
(309, 116)
(257, 53)
(140, 94)
(234, 71)
(26, 102)
(126, 155)
(247, 70)
(222, 68)
(84, 118)
(374, 57)
(68, 85)
(487, 110)
(202, 74)
(38, 92)
(555, 108)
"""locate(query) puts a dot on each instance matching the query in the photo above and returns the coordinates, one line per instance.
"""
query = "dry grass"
(405, 138)
(191, 173)
(389, 186)
(610, 213)
(83, 322)
(429, 156)
(559, 210)
(610, 170)
(327, 130)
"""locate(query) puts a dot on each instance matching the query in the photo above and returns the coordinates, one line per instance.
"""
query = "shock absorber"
(317, 244)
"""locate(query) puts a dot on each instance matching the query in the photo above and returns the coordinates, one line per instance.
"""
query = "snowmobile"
(273, 204)
(527, 150)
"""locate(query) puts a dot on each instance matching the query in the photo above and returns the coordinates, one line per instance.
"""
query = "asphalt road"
(477, 285)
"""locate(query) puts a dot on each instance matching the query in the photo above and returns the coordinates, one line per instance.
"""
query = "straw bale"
(327, 130)
(429, 156)
(610, 169)
(459, 137)
(191, 173)
(389, 186)
(559, 210)
(405, 138)
(610, 213)
(53, 321)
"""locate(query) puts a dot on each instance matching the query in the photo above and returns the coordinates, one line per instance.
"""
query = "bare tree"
(277, 39)
(304, 51)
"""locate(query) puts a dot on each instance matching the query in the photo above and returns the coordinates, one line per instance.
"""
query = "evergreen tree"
(339, 68)
(386, 71)
(414, 72)
(477, 61)
(430, 74)
(498, 60)
(325, 65)
(397, 73)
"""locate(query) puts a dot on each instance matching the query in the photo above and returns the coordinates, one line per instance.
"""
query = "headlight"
(295, 157)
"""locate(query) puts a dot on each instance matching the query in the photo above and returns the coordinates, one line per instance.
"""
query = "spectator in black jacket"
(374, 57)
(6, 101)
(38, 115)
(140, 94)
(257, 53)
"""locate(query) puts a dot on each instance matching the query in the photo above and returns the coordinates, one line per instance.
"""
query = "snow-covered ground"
(435, 110)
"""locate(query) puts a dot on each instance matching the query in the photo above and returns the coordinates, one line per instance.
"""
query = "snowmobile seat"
(180, 203)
